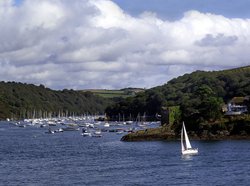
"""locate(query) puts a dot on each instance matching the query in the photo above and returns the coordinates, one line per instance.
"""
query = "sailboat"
(186, 148)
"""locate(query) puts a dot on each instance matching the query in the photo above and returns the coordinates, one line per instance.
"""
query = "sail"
(182, 144)
(188, 145)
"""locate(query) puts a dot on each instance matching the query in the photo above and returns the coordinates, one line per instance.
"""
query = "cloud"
(96, 44)
(218, 40)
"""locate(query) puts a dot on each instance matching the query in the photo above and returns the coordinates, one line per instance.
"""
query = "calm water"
(28, 156)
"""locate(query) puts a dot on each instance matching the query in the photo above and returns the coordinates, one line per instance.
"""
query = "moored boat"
(70, 128)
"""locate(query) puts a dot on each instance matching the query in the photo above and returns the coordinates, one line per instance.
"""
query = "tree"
(154, 103)
(210, 105)
(204, 91)
(210, 108)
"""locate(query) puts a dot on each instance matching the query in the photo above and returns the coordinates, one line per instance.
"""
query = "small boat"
(129, 122)
(59, 130)
(51, 123)
(186, 148)
(97, 133)
(119, 132)
(50, 131)
(106, 125)
(21, 125)
(85, 132)
(43, 125)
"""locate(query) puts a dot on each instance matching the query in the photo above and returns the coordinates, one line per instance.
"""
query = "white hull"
(106, 125)
(86, 134)
(190, 152)
(129, 122)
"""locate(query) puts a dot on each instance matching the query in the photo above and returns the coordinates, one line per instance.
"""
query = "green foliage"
(149, 102)
(174, 114)
(200, 95)
(240, 127)
(204, 91)
(19, 100)
(210, 108)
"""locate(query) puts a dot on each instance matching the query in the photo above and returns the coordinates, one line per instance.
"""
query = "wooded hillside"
(200, 92)
(18, 100)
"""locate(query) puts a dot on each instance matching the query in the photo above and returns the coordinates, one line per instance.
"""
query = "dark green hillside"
(225, 84)
(19, 100)
(200, 95)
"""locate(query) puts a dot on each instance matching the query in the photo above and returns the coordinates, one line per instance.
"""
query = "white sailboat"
(186, 148)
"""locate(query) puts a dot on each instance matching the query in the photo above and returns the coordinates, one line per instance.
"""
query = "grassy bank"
(124, 93)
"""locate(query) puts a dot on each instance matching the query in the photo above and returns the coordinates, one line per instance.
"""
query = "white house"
(236, 106)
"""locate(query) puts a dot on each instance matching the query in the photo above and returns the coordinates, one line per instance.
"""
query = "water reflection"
(187, 157)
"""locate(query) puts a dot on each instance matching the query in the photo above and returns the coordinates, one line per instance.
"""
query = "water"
(30, 157)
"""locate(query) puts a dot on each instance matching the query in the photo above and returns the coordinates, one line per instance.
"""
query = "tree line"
(200, 95)
(20, 100)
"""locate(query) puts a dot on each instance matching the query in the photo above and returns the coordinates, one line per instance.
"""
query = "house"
(237, 106)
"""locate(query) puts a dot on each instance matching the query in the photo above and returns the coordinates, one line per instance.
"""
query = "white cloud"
(95, 44)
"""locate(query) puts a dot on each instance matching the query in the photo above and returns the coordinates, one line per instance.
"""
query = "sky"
(113, 44)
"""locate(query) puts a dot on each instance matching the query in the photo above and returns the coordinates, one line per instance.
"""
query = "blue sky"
(174, 9)
(108, 44)
(18, 2)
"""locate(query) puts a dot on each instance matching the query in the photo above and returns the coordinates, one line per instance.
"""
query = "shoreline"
(163, 134)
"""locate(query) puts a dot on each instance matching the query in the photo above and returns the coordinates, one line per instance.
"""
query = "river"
(29, 156)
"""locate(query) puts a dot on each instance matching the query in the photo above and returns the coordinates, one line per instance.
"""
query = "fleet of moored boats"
(88, 127)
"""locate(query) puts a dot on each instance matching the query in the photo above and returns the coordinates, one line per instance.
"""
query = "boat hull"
(86, 134)
(190, 152)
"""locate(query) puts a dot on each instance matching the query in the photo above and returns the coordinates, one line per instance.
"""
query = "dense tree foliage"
(199, 94)
(19, 100)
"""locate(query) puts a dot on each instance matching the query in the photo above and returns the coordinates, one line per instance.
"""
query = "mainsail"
(188, 145)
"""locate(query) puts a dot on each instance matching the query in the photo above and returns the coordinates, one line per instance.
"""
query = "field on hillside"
(114, 93)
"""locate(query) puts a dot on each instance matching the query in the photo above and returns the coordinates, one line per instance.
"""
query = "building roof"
(238, 100)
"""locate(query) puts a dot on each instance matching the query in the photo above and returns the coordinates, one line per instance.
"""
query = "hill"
(18, 100)
(198, 92)
(197, 99)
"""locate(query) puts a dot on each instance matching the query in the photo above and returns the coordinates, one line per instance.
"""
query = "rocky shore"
(229, 128)
(164, 133)
(161, 133)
